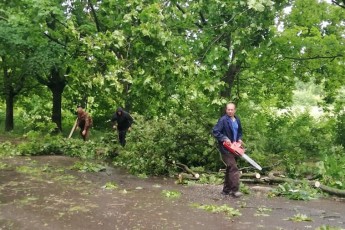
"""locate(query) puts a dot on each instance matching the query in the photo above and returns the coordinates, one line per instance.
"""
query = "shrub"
(153, 145)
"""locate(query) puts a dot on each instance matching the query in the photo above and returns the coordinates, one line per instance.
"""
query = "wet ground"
(45, 193)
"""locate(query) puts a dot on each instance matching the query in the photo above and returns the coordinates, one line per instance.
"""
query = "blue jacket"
(223, 130)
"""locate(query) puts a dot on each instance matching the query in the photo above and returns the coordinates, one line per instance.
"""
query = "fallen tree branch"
(316, 184)
(255, 178)
(332, 191)
(188, 170)
(183, 176)
(252, 181)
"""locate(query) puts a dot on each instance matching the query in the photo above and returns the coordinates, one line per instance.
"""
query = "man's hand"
(228, 142)
(129, 129)
(83, 133)
(114, 127)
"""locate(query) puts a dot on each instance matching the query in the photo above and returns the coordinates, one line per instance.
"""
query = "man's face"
(230, 110)
(79, 109)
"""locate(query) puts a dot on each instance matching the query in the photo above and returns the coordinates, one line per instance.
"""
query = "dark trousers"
(122, 137)
(232, 175)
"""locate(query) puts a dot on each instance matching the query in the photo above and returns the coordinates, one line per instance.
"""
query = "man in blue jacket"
(229, 129)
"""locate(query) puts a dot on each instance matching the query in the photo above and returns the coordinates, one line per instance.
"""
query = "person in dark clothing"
(124, 122)
(84, 122)
(229, 129)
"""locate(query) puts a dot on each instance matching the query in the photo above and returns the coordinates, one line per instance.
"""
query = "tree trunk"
(9, 124)
(9, 95)
(56, 85)
(229, 79)
(56, 111)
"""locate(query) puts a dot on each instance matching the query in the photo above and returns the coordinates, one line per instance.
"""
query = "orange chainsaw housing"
(235, 148)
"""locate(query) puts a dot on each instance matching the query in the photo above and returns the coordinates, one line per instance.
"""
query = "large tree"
(311, 40)
(223, 33)
(133, 58)
(15, 56)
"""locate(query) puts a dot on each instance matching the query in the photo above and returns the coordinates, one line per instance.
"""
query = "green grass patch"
(110, 186)
(171, 194)
(3, 165)
(300, 218)
(263, 211)
(229, 211)
(327, 227)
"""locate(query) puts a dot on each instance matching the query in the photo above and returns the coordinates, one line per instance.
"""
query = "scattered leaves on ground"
(229, 211)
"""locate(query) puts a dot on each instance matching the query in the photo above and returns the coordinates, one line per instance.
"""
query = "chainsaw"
(237, 149)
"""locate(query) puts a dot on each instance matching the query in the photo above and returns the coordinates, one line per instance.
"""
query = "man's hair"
(230, 103)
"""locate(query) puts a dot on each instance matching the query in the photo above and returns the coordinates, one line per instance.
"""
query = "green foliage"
(3, 165)
(171, 194)
(292, 191)
(56, 145)
(211, 178)
(229, 211)
(244, 188)
(340, 129)
(328, 227)
(293, 142)
(8, 149)
(307, 170)
(110, 186)
(334, 166)
(263, 211)
(37, 116)
(300, 218)
(153, 146)
(169, 62)
(300, 136)
(30, 170)
(307, 37)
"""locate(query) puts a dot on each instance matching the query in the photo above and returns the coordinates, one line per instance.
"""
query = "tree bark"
(229, 79)
(56, 111)
(9, 123)
(9, 95)
(56, 84)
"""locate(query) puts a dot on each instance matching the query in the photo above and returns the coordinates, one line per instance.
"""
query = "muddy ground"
(45, 193)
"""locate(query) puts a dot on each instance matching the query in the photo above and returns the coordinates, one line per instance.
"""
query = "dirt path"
(44, 193)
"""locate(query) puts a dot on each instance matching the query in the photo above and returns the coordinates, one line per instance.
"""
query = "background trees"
(174, 64)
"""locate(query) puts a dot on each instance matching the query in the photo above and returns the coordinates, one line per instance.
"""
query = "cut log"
(253, 181)
(188, 170)
(330, 190)
(251, 175)
(182, 176)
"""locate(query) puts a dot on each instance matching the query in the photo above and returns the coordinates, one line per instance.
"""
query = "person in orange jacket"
(84, 122)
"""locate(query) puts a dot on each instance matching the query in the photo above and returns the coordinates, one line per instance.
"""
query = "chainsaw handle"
(234, 148)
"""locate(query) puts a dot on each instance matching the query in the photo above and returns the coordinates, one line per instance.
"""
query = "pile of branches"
(256, 178)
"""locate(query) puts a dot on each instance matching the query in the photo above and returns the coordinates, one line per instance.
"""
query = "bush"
(56, 145)
(334, 167)
(340, 129)
(153, 145)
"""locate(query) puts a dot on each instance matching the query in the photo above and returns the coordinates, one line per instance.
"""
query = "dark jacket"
(223, 130)
(124, 121)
